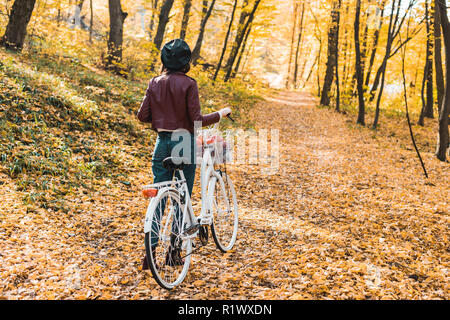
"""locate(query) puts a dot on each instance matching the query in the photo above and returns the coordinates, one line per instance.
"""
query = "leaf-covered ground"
(348, 215)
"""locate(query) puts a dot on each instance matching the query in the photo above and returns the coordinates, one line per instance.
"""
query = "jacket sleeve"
(193, 102)
(144, 114)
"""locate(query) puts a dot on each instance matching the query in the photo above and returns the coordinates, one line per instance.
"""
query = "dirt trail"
(345, 216)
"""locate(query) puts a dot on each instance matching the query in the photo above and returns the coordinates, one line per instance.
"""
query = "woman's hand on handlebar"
(225, 112)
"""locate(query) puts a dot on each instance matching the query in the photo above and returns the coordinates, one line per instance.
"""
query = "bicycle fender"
(151, 208)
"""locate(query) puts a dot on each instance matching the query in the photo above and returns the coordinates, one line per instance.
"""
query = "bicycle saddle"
(175, 163)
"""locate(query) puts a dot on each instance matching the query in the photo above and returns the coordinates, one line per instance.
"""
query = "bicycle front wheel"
(225, 212)
(168, 251)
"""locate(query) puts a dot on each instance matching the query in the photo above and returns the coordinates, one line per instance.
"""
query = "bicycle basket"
(221, 150)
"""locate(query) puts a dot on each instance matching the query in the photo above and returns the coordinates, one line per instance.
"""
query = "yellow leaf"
(199, 283)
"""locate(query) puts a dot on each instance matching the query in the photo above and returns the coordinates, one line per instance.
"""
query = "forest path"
(345, 216)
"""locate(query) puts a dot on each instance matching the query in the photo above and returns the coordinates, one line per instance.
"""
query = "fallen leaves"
(345, 220)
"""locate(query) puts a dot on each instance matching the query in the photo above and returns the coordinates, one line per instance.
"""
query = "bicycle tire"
(224, 238)
(162, 274)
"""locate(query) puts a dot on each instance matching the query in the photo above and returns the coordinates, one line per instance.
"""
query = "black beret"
(176, 54)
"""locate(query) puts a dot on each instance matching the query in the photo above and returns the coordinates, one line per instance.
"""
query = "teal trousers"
(164, 148)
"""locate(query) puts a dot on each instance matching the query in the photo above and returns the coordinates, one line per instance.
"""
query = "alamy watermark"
(252, 147)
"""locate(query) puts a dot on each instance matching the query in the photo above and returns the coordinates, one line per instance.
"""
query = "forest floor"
(346, 216)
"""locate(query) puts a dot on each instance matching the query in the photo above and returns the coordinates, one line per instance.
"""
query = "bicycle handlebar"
(216, 125)
(229, 117)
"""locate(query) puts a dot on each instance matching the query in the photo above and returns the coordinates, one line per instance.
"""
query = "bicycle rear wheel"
(225, 212)
(168, 252)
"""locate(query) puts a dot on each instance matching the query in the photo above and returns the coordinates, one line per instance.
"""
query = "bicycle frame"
(179, 185)
(177, 232)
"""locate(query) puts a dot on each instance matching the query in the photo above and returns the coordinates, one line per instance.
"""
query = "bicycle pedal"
(203, 235)
(192, 229)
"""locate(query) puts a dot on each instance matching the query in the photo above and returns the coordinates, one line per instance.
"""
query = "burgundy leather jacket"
(171, 102)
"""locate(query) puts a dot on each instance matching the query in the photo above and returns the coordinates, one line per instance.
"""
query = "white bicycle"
(171, 226)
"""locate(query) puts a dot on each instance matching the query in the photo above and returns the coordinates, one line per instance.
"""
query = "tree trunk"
(443, 137)
(302, 70)
(58, 16)
(238, 63)
(115, 39)
(16, 29)
(297, 52)
(440, 85)
(332, 52)
(318, 68)
(249, 53)
(427, 83)
(163, 20)
(364, 45)
(152, 19)
(319, 93)
(346, 49)
(391, 36)
(364, 42)
(382, 70)
(421, 121)
(376, 81)
(198, 44)
(311, 71)
(91, 22)
(376, 37)
(225, 44)
(428, 112)
(358, 66)
(186, 16)
(319, 39)
(338, 90)
(241, 23)
(242, 29)
(291, 52)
